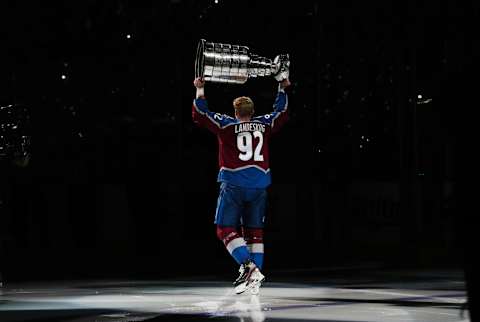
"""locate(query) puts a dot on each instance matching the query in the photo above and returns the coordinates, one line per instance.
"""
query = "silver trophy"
(234, 64)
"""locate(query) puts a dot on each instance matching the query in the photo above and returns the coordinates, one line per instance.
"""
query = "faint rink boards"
(374, 224)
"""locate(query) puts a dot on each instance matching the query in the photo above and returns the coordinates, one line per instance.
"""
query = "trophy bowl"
(235, 64)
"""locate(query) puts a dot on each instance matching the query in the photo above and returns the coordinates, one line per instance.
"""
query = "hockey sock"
(234, 243)
(254, 239)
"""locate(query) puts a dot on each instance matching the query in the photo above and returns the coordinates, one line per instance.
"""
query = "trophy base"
(199, 59)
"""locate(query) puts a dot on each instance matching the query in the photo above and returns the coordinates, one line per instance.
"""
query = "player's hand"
(285, 83)
(199, 82)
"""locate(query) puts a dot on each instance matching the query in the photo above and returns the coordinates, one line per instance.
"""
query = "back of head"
(243, 106)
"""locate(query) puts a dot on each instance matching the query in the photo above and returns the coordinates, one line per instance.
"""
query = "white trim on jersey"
(255, 248)
(235, 243)
(245, 167)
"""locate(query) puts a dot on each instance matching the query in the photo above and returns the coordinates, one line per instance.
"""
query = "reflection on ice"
(426, 300)
(247, 307)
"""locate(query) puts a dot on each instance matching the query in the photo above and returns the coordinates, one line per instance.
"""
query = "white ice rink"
(382, 296)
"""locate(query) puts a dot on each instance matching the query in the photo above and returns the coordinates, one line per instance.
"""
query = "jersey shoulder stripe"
(221, 120)
(264, 119)
(280, 108)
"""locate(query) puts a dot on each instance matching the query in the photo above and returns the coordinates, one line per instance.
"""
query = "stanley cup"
(234, 64)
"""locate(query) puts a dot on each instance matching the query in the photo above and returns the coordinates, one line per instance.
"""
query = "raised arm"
(201, 115)
(279, 116)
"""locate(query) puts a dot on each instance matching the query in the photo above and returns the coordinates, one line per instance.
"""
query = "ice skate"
(255, 281)
(250, 278)
(245, 271)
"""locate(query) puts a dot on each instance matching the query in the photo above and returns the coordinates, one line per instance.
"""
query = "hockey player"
(244, 176)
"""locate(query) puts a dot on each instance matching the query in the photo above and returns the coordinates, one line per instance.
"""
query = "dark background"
(121, 183)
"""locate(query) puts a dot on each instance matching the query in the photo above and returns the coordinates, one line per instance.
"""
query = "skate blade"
(241, 288)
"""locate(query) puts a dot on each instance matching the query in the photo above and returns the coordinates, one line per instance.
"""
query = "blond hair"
(243, 106)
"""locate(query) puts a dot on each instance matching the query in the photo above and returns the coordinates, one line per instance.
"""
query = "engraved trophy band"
(234, 64)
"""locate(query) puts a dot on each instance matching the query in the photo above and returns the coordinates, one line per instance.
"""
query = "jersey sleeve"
(279, 116)
(202, 116)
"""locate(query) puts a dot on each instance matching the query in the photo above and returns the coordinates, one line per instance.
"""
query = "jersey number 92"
(250, 146)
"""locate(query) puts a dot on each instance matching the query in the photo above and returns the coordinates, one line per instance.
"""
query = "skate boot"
(255, 281)
(245, 271)
(250, 278)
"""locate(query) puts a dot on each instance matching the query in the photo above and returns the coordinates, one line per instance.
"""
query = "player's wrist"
(200, 92)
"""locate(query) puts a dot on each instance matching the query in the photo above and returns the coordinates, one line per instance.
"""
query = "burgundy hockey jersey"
(243, 153)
